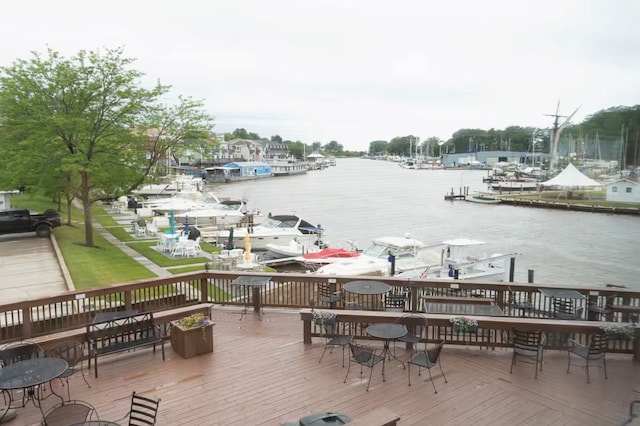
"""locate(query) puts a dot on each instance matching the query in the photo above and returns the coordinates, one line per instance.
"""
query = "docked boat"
(482, 199)
(523, 184)
(458, 263)
(279, 230)
(406, 255)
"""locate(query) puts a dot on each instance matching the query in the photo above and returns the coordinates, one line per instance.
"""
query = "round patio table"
(97, 423)
(29, 375)
(387, 332)
(367, 287)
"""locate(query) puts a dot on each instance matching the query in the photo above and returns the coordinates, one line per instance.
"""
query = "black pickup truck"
(21, 220)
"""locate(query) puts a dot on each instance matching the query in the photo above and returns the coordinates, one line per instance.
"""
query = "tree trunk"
(86, 207)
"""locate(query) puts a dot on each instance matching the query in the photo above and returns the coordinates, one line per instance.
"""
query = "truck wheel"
(43, 231)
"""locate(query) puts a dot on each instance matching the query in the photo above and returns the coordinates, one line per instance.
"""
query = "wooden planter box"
(190, 342)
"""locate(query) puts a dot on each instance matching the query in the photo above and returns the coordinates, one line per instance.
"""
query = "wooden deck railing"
(47, 315)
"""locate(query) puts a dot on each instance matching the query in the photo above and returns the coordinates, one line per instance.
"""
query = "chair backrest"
(71, 352)
(361, 354)
(330, 327)
(20, 352)
(416, 324)
(598, 345)
(433, 354)
(562, 308)
(324, 290)
(395, 302)
(69, 412)
(527, 342)
(143, 410)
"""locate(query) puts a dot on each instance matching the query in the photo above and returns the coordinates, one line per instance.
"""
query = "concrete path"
(29, 268)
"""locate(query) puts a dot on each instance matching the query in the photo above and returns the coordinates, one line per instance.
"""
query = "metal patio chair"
(428, 359)
(72, 352)
(528, 344)
(333, 338)
(366, 357)
(595, 351)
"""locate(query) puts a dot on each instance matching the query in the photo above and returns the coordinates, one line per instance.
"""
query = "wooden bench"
(122, 334)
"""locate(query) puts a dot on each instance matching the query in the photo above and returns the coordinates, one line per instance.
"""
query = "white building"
(623, 191)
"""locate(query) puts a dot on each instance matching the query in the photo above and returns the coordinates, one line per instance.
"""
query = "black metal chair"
(366, 357)
(15, 352)
(143, 411)
(328, 295)
(520, 303)
(428, 359)
(333, 338)
(595, 351)
(71, 352)
(69, 413)
(416, 329)
(528, 344)
(565, 310)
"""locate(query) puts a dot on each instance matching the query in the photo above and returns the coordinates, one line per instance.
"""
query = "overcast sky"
(357, 71)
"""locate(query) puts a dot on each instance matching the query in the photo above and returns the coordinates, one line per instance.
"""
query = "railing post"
(204, 290)
(127, 299)
(26, 323)
(306, 331)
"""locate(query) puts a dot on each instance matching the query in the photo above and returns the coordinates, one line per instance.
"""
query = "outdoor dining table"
(255, 283)
(96, 423)
(463, 309)
(367, 289)
(29, 375)
(561, 293)
(387, 332)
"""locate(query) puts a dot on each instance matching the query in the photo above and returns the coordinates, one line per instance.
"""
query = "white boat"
(524, 184)
(279, 230)
(482, 199)
(458, 262)
(411, 258)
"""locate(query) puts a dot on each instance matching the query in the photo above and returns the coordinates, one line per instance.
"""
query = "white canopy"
(571, 177)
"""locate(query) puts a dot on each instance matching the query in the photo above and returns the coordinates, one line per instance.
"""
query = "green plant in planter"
(618, 332)
(322, 317)
(464, 324)
(193, 321)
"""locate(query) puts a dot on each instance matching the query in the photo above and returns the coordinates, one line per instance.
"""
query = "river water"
(362, 199)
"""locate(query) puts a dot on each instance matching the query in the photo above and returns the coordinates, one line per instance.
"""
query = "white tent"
(571, 178)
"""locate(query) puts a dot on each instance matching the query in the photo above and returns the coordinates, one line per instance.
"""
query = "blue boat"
(237, 171)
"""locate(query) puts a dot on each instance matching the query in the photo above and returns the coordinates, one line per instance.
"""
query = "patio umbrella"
(247, 247)
(186, 225)
(230, 241)
(172, 222)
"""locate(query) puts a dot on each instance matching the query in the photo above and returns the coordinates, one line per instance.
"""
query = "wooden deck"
(262, 374)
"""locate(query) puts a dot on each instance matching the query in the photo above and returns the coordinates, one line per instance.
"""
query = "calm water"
(363, 199)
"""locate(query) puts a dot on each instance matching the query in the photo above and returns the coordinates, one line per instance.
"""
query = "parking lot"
(29, 268)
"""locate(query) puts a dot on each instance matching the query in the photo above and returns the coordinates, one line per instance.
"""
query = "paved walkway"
(29, 268)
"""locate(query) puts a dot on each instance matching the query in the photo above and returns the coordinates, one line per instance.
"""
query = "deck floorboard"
(262, 374)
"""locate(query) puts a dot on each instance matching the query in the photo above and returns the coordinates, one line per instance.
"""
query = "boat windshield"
(378, 250)
(274, 223)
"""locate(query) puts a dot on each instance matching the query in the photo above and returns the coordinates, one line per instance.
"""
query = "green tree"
(333, 147)
(378, 147)
(241, 134)
(86, 123)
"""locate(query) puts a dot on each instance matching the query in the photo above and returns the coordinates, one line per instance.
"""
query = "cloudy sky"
(355, 71)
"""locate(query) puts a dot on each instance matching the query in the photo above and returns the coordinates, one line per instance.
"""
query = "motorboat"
(386, 256)
(482, 199)
(276, 229)
(222, 213)
(522, 184)
(458, 263)
(313, 253)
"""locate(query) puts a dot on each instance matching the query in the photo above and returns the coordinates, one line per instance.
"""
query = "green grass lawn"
(105, 264)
